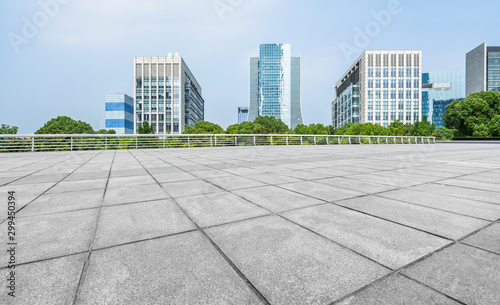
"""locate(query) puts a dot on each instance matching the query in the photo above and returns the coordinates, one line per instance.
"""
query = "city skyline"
(74, 63)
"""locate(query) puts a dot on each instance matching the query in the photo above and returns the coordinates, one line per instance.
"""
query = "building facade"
(379, 88)
(275, 85)
(242, 114)
(166, 94)
(119, 113)
(483, 69)
(439, 90)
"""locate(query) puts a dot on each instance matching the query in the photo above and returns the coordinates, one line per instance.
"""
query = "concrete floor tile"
(488, 239)
(190, 188)
(321, 191)
(63, 202)
(138, 193)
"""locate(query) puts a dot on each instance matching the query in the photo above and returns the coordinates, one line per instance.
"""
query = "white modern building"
(380, 87)
(120, 113)
(166, 94)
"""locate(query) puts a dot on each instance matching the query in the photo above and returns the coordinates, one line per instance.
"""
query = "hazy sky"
(61, 58)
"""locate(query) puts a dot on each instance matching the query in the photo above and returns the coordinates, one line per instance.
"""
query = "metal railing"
(27, 143)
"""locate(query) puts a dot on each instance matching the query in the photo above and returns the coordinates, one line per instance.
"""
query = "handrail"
(70, 142)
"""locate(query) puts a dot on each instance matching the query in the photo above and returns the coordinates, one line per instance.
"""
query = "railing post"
(350, 140)
(359, 140)
(402, 142)
(378, 140)
(189, 142)
(369, 140)
(32, 144)
(314, 140)
(215, 141)
(254, 143)
(338, 138)
(71, 140)
(272, 140)
(212, 141)
(136, 137)
(105, 143)
(327, 142)
(164, 138)
(301, 140)
(287, 140)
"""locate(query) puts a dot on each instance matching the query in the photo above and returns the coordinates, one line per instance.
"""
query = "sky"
(60, 57)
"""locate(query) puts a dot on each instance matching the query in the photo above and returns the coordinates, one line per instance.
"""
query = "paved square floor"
(381, 224)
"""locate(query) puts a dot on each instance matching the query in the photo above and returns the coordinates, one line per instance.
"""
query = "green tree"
(145, 128)
(249, 128)
(301, 129)
(7, 129)
(270, 125)
(475, 115)
(233, 129)
(424, 128)
(443, 134)
(312, 129)
(105, 131)
(65, 125)
(204, 127)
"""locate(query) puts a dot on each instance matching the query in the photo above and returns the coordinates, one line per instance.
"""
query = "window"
(370, 83)
(408, 105)
(386, 72)
(400, 116)
(386, 105)
(386, 125)
(377, 94)
(408, 72)
(377, 83)
(401, 72)
(377, 72)
(408, 94)
(408, 116)
(400, 105)
(393, 116)
(393, 83)
(393, 105)
(393, 94)
(415, 116)
(386, 116)
(386, 83)
(393, 72)
(401, 94)
(408, 83)
(377, 105)
(416, 72)
(370, 72)
(370, 116)
(416, 94)
(370, 106)
(415, 105)
(416, 83)
(386, 94)
(370, 94)
(377, 116)
(401, 83)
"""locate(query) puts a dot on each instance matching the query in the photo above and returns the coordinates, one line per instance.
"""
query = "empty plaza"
(347, 224)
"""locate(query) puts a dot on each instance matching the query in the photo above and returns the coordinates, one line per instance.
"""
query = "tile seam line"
(83, 274)
(231, 264)
(26, 205)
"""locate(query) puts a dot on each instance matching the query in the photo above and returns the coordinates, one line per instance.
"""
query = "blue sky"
(69, 59)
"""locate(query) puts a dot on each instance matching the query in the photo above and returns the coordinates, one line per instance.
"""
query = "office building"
(119, 113)
(483, 69)
(380, 87)
(167, 94)
(242, 114)
(275, 85)
(440, 89)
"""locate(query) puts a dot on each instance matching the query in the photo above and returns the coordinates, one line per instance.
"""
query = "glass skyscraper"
(120, 113)
(483, 69)
(439, 90)
(379, 88)
(167, 94)
(275, 85)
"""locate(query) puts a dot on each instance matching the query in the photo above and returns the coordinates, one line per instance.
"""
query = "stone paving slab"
(277, 225)
(468, 274)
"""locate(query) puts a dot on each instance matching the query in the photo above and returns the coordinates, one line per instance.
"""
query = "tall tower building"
(120, 113)
(379, 88)
(482, 69)
(166, 94)
(275, 85)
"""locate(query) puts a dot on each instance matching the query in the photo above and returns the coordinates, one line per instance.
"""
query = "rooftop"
(364, 224)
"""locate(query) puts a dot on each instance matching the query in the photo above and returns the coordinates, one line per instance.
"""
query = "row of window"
(400, 94)
(379, 116)
(385, 105)
(378, 83)
(393, 72)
